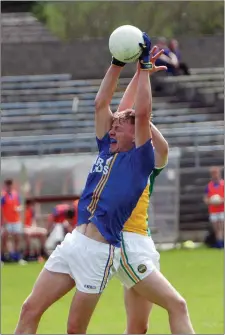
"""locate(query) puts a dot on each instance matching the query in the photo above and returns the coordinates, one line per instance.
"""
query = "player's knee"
(179, 306)
(30, 310)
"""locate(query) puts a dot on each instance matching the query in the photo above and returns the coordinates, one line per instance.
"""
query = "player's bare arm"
(103, 114)
(143, 100)
(128, 98)
(206, 200)
(161, 147)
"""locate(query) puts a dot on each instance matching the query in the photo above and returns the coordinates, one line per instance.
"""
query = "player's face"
(215, 173)
(9, 188)
(121, 136)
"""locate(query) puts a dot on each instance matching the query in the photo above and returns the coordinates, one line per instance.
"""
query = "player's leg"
(139, 269)
(17, 234)
(41, 235)
(81, 310)
(216, 224)
(157, 289)
(138, 310)
(49, 287)
(27, 240)
(92, 264)
(220, 228)
(4, 240)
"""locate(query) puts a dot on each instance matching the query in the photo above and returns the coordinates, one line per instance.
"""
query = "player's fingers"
(157, 55)
(154, 49)
(160, 68)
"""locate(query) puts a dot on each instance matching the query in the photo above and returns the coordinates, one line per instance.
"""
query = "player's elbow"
(165, 149)
(100, 103)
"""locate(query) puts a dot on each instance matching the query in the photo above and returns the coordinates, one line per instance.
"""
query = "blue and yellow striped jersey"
(138, 221)
(113, 188)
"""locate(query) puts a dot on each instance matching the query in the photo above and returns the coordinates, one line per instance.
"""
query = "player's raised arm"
(103, 114)
(161, 147)
(128, 99)
(143, 100)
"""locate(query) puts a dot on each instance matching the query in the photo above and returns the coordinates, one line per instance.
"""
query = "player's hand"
(144, 59)
(117, 62)
(153, 58)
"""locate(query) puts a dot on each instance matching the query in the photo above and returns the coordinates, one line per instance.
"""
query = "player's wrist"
(117, 62)
(147, 66)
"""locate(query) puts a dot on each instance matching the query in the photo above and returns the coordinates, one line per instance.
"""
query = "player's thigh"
(157, 289)
(92, 264)
(81, 310)
(138, 259)
(221, 225)
(49, 287)
(138, 309)
(16, 230)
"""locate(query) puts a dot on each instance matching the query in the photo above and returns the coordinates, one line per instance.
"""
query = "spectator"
(32, 231)
(72, 217)
(168, 58)
(11, 219)
(174, 48)
(60, 221)
(214, 199)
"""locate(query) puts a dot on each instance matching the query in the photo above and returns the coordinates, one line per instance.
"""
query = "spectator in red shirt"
(214, 199)
(11, 218)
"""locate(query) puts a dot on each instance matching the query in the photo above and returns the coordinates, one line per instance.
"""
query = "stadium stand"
(23, 28)
(38, 118)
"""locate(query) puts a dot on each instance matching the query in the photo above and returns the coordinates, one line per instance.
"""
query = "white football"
(215, 199)
(124, 43)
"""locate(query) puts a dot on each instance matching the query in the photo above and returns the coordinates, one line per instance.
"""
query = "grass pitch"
(197, 274)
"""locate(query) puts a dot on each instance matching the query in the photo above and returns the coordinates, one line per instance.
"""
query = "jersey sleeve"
(2, 200)
(55, 212)
(144, 159)
(103, 143)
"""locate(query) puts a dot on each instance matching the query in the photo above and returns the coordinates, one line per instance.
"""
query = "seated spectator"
(182, 67)
(168, 58)
(214, 199)
(71, 217)
(11, 220)
(32, 231)
(61, 221)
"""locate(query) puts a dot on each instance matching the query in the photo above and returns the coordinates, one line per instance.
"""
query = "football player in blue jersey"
(90, 255)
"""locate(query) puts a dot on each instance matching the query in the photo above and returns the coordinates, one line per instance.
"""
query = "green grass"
(197, 274)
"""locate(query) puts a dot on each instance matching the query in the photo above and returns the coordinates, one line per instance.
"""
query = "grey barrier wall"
(90, 58)
(66, 175)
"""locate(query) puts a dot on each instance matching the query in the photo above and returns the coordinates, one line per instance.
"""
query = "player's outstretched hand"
(144, 59)
(153, 57)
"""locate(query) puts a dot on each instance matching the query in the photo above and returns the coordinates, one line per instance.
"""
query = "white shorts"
(14, 228)
(215, 217)
(90, 263)
(139, 258)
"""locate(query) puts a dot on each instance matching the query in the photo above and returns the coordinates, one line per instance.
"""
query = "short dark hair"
(29, 202)
(70, 213)
(127, 114)
(8, 182)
